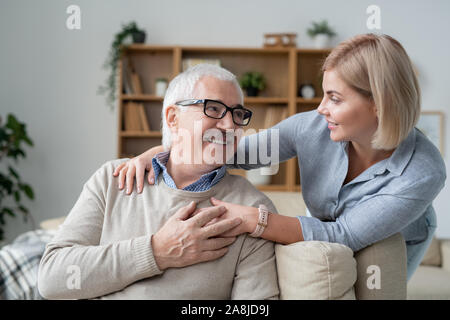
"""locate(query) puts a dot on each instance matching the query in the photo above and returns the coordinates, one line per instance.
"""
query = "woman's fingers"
(151, 175)
(184, 212)
(140, 173)
(233, 232)
(221, 227)
(117, 170)
(122, 174)
(215, 202)
(202, 218)
(130, 178)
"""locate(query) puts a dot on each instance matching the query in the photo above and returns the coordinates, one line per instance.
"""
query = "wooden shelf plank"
(257, 50)
(141, 97)
(266, 100)
(272, 187)
(317, 100)
(313, 51)
(146, 47)
(141, 134)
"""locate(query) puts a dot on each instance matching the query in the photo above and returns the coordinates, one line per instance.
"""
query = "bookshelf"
(285, 69)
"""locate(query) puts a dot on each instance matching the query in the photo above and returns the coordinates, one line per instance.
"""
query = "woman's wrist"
(150, 153)
(251, 219)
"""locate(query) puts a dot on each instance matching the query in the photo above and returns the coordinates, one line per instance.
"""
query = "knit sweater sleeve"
(76, 266)
(256, 273)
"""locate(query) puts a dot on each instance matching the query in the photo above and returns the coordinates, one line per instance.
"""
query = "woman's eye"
(334, 100)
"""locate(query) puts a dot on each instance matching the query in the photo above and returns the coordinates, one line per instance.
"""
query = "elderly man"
(167, 242)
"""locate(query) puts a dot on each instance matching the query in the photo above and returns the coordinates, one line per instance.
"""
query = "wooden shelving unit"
(285, 69)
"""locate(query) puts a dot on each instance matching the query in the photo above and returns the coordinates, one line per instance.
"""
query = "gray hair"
(182, 88)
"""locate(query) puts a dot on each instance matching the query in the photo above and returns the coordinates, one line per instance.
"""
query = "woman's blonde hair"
(378, 67)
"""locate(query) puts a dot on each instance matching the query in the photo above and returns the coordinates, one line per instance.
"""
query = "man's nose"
(226, 122)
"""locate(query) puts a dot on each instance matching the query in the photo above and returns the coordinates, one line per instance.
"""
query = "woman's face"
(350, 115)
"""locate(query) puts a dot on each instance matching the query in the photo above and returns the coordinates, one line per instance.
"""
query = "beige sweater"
(103, 249)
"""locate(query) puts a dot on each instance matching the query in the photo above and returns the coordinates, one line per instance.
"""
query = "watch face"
(307, 91)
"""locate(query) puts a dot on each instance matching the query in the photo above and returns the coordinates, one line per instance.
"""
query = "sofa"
(431, 281)
(322, 270)
(330, 271)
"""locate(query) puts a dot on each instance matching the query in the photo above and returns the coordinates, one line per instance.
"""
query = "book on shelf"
(143, 118)
(135, 117)
(131, 80)
(127, 89)
(136, 83)
(190, 62)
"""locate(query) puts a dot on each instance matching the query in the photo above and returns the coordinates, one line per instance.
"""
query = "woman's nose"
(322, 109)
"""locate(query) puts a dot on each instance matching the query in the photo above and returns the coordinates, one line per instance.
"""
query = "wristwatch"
(262, 221)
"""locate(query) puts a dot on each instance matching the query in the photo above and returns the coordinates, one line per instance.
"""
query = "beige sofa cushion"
(315, 270)
(288, 203)
(433, 255)
(389, 255)
(52, 224)
(429, 283)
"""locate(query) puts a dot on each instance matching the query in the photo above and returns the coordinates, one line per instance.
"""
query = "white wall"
(49, 75)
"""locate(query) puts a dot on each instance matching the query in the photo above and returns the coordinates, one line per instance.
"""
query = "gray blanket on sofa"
(19, 264)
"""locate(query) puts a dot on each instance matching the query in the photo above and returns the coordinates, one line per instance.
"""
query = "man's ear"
(172, 117)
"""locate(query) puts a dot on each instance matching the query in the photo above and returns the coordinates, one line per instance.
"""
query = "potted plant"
(138, 36)
(12, 135)
(253, 82)
(321, 33)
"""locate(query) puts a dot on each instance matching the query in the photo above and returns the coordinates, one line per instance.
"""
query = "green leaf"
(23, 209)
(9, 211)
(17, 196)
(28, 191)
(13, 172)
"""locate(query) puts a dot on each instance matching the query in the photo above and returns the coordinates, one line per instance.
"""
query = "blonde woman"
(366, 171)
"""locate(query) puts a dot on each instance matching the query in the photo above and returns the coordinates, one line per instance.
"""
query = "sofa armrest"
(445, 254)
(386, 260)
(315, 270)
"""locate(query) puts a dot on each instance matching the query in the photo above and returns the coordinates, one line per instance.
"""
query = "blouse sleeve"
(376, 217)
(268, 147)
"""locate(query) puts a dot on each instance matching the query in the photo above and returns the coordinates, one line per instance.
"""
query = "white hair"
(182, 88)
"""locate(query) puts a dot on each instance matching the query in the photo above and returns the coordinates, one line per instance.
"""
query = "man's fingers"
(217, 243)
(221, 227)
(130, 179)
(122, 174)
(184, 212)
(232, 232)
(208, 214)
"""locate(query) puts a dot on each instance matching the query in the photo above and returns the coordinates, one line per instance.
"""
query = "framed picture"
(431, 123)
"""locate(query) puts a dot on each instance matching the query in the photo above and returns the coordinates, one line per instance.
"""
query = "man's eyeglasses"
(217, 110)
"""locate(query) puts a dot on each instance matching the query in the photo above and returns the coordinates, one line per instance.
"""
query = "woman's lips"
(332, 125)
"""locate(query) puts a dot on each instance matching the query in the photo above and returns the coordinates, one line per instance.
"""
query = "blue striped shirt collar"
(205, 182)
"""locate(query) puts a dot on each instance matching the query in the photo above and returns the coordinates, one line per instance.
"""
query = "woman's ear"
(172, 117)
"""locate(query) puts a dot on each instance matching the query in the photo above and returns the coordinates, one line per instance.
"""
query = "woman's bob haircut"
(378, 67)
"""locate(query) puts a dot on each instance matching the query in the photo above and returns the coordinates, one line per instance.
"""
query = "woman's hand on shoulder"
(136, 168)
